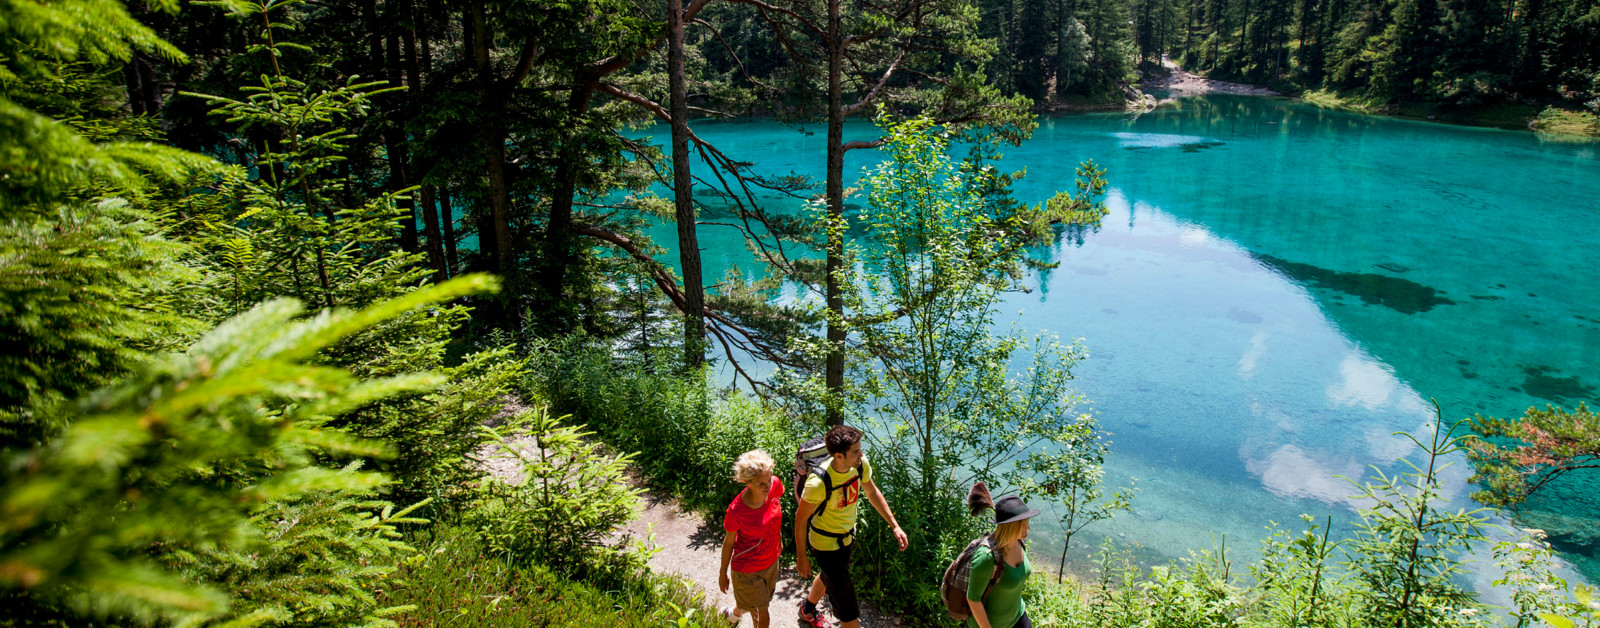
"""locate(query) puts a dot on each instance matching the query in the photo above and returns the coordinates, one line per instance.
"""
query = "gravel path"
(1182, 83)
(691, 547)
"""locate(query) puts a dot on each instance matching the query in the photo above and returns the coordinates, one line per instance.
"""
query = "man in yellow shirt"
(831, 533)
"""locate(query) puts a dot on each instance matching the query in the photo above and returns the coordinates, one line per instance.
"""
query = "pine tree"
(86, 279)
(178, 457)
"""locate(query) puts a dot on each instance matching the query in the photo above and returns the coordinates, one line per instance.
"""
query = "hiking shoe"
(728, 614)
(814, 618)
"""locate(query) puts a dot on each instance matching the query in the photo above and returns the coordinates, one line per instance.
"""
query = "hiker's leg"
(762, 617)
(835, 567)
(817, 588)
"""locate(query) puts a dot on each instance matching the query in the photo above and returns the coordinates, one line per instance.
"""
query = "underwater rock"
(1542, 384)
(1244, 316)
(1401, 295)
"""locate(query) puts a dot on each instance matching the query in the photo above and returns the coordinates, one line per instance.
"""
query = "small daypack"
(953, 587)
(812, 459)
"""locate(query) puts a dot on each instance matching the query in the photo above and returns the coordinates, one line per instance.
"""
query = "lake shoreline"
(1545, 120)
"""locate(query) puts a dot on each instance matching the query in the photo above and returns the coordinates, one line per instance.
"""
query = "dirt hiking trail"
(691, 547)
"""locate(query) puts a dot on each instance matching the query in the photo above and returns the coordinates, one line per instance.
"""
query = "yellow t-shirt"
(840, 515)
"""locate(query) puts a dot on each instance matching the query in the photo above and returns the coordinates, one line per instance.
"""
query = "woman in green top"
(1003, 606)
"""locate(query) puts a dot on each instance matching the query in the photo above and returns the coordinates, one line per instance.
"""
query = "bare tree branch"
(883, 80)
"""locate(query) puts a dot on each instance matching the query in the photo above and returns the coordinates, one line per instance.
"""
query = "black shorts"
(835, 568)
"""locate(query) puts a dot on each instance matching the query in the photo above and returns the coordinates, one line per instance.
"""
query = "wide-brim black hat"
(1011, 509)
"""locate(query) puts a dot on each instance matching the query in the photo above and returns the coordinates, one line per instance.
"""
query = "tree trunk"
(447, 216)
(394, 145)
(430, 222)
(492, 141)
(130, 74)
(558, 256)
(833, 371)
(688, 240)
(418, 174)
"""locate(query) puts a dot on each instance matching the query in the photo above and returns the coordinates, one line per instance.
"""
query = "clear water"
(1278, 289)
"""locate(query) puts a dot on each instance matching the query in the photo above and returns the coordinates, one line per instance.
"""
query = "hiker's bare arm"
(727, 554)
(802, 514)
(880, 504)
(979, 613)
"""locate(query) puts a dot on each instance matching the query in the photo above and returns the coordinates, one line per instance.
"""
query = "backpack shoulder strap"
(997, 557)
(827, 490)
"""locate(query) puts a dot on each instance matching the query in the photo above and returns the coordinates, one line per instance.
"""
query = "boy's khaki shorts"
(753, 591)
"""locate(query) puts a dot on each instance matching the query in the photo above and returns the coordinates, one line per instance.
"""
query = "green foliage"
(44, 161)
(1193, 594)
(1545, 445)
(300, 228)
(1536, 591)
(1406, 550)
(84, 296)
(1072, 479)
(1294, 578)
(181, 454)
(566, 501)
(455, 580)
(1568, 122)
(320, 556)
(684, 435)
(87, 278)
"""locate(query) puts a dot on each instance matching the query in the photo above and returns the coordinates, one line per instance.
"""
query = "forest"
(281, 279)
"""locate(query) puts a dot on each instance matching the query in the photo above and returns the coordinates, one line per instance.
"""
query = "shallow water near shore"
(1278, 289)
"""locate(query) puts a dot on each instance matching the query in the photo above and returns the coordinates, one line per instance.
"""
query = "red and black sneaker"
(811, 616)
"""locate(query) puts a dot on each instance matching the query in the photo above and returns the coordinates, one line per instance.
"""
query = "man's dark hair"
(839, 439)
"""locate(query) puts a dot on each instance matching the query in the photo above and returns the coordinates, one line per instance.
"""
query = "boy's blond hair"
(751, 465)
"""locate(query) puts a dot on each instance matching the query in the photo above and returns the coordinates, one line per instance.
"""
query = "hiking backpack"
(812, 459)
(953, 586)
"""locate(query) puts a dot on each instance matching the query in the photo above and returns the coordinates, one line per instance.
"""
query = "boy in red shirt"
(754, 523)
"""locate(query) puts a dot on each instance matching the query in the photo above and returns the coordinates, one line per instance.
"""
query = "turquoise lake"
(1278, 289)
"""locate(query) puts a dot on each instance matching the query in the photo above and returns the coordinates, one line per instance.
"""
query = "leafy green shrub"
(569, 499)
(937, 394)
(1406, 550)
(1053, 604)
(1538, 594)
(456, 580)
(303, 228)
(1192, 594)
(1514, 458)
(684, 437)
(1295, 581)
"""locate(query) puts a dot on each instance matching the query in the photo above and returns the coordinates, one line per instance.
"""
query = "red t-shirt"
(759, 529)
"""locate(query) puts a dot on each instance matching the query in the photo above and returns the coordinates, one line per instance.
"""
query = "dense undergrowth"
(455, 580)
